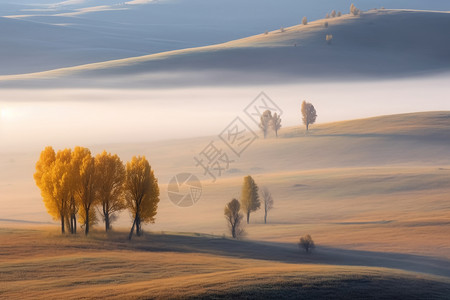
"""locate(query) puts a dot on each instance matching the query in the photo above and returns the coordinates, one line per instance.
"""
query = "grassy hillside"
(378, 184)
(38, 264)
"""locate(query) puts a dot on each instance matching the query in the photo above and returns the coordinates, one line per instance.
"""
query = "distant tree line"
(74, 184)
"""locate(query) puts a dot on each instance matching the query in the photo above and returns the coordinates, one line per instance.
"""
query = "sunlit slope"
(379, 43)
(416, 139)
(378, 184)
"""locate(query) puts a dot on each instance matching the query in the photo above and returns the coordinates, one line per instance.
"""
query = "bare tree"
(327, 16)
(275, 123)
(339, 14)
(309, 114)
(234, 218)
(304, 21)
(333, 14)
(265, 121)
(306, 243)
(266, 196)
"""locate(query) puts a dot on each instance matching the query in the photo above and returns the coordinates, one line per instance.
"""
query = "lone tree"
(329, 38)
(250, 198)
(304, 21)
(275, 123)
(110, 177)
(234, 218)
(266, 196)
(333, 14)
(309, 114)
(306, 243)
(142, 193)
(264, 123)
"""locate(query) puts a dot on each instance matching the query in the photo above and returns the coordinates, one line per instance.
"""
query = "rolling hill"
(365, 184)
(377, 44)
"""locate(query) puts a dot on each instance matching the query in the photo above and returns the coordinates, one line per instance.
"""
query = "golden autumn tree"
(44, 166)
(249, 197)
(54, 178)
(110, 177)
(84, 166)
(141, 193)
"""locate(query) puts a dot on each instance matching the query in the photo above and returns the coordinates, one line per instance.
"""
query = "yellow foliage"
(110, 177)
(142, 191)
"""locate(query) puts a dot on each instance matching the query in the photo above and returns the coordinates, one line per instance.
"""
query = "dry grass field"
(373, 194)
(39, 264)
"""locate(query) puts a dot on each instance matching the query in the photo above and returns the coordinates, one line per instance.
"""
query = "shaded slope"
(175, 266)
(378, 44)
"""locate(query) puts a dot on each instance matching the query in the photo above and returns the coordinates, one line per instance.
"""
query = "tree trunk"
(248, 216)
(276, 133)
(74, 223)
(265, 217)
(67, 223)
(107, 222)
(106, 214)
(132, 229)
(86, 228)
(63, 231)
(233, 231)
(138, 225)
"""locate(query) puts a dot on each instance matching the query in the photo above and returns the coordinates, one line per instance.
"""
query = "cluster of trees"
(354, 11)
(333, 14)
(250, 202)
(268, 121)
(74, 185)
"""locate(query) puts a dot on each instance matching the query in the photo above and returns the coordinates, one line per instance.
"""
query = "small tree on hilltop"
(264, 124)
(309, 114)
(333, 14)
(250, 198)
(234, 218)
(306, 243)
(266, 196)
(339, 14)
(304, 21)
(276, 123)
